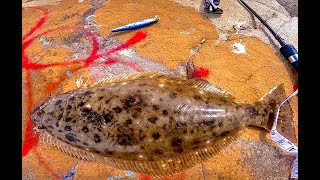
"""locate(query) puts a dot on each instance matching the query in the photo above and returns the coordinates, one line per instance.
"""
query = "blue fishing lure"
(136, 25)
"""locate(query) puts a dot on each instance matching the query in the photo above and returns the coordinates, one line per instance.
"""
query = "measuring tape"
(283, 142)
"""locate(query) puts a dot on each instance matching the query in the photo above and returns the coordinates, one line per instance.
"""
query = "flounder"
(153, 123)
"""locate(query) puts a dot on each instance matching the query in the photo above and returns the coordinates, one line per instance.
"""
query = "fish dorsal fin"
(199, 83)
(125, 77)
(158, 168)
(208, 86)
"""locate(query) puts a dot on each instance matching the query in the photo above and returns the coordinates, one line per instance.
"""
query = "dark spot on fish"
(124, 139)
(265, 110)
(184, 131)
(95, 151)
(84, 143)
(49, 130)
(158, 152)
(178, 150)
(272, 103)
(191, 131)
(51, 127)
(171, 119)
(153, 120)
(142, 137)
(252, 111)
(195, 147)
(68, 119)
(156, 136)
(135, 114)
(142, 147)
(99, 129)
(142, 84)
(96, 138)
(131, 101)
(237, 107)
(165, 112)
(87, 93)
(85, 129)
(173, 95)
(128, 121)
(161, 99)
(125, 136)
(117, 109)
(204, 131)
(176, 142)
(108, 100)
(67, 128)
(57, 124)
(225, 133)
(58, 102)
(270, 120)
(197, 97)
(100, 98)
(108, 117)
(213, 134)
(164, 127)
(108, 152)
(138, 109)
(59, 116)
(85, 110)
(212, 127)
(69, 107)
(155, 107)
(196, 141)
(176, 112)
(208, 123)
(50, 113)
(72, 98)
(220, 124)
(179, 90)
(263, 115)
(81, 104)
(60, 130)
(71, 137)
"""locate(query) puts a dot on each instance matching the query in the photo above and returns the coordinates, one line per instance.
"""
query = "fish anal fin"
(158, 168)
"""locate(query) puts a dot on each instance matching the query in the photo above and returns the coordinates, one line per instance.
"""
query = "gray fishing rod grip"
(290, 53)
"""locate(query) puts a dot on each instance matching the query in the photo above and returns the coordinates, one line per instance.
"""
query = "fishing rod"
(287, 50)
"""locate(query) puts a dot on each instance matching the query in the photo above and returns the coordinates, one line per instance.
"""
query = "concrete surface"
(234, 13)
(291, 6)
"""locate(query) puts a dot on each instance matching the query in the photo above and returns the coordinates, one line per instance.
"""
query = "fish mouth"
(36, 118)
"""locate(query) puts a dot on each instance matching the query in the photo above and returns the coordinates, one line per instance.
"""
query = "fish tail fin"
(270, 104)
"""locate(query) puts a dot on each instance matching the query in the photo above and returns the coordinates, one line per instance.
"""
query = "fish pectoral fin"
(208, 86)
(82, 83)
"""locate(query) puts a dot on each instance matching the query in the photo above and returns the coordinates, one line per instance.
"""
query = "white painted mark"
(239, 48)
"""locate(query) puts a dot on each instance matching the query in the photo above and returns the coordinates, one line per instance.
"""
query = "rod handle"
(291, 54)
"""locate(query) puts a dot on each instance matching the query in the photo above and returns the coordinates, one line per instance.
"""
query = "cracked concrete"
(272, 11)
